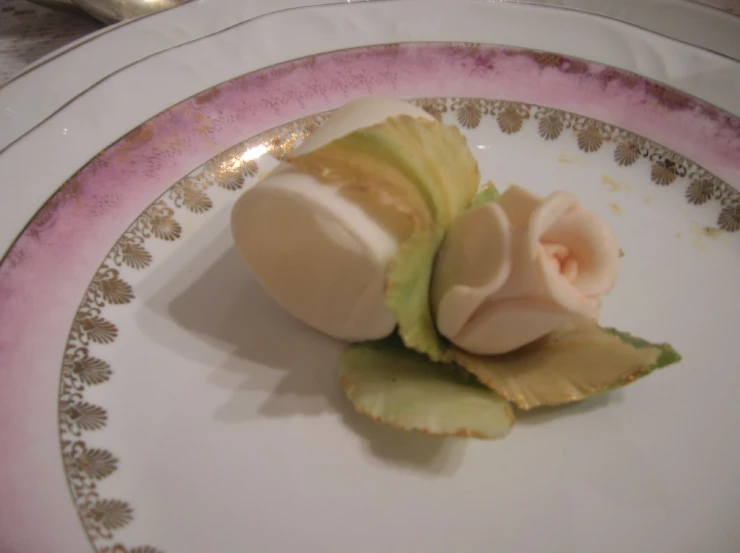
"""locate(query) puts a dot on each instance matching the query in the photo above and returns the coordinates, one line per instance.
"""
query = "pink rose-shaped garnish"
(511, 271)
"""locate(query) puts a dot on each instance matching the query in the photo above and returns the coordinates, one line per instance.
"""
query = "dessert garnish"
(457, 301)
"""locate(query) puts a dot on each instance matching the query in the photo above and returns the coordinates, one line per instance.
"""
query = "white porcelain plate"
(154, 399)
(27, 100)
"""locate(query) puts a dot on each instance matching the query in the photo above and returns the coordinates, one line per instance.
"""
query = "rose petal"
(592, 244)
(474, 262)
(553, 286)
(534, 275)
(503, 326)
(553, 208)
(518, 204)
(561, 291)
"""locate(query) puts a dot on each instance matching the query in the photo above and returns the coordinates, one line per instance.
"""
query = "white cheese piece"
(321, 254)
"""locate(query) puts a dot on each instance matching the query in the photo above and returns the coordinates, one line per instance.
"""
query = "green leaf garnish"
(407, 293)
(402, 388)
(423, 169)
(487, 194)
(569, 364)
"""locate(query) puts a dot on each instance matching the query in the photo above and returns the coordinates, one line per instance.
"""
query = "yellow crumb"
(702, 236)
(611, 185)
(614, 208)
(712, 232)
(564, 158)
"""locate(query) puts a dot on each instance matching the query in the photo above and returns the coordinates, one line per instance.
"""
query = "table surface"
(29, 32)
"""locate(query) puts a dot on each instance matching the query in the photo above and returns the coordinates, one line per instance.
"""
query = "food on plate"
(322, 231)
(458, 301)
(390, 383)
(511, 271)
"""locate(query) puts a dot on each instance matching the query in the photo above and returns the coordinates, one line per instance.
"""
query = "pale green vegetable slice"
(425, 170)
(407, 293)
(404, 389)
(409, 283)
(487, 194)
(570, 364)
(422, 166)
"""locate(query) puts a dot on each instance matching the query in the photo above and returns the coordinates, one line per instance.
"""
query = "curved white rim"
(26, 101)
(79, 131)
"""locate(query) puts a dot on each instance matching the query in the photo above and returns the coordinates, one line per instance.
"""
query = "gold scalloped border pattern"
(86, 466)
(665, 165)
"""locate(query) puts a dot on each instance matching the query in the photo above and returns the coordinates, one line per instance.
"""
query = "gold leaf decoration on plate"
(158, 221)
(113, 289)
(280, 144)
(729, 218)
(86, 416)
(97, 463)
(196, 200)
(590, 139)
(627, 153)
(91, 370)
(134, 255)
(663, 172)
(550, 126)
(96, 329)
(700, 191)
(235, 179)
(165, 228)
(469, 114)
(230, 169)
(509, 121)
(435, 107)
(111, 514)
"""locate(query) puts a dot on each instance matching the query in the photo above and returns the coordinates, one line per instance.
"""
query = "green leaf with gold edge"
(570, 364)
(423, 167)
(399, 387)
(407, 293)
(409, 288)
(487, 194)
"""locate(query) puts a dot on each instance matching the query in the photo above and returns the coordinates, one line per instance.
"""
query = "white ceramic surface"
(78, 131)
(27, 101)
(223, 414)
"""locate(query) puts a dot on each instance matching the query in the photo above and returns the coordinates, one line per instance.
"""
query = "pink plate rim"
(46, 272)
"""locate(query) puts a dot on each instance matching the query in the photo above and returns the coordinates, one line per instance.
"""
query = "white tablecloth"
(28, 31)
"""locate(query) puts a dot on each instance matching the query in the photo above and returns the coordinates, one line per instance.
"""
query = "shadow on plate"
(276, 366)
(272, 355)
